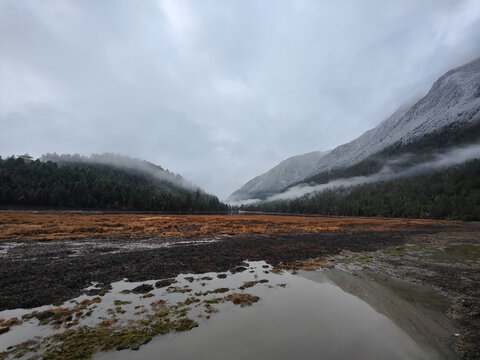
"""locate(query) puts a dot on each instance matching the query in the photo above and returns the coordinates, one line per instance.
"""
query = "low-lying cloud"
(441, 161)
(124, 163)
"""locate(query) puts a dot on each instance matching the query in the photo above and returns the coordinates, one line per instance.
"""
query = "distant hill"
(278, 178)
(105, 181)
(123, 163)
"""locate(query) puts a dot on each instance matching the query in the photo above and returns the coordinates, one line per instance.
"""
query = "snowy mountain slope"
(278, 178)
(453, 98)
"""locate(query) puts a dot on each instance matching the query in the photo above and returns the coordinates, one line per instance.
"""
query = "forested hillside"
(36, 183)
(403, 155)
(451, 194)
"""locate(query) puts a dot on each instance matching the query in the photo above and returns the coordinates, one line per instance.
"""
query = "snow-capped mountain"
(453, 99)
(278, 178)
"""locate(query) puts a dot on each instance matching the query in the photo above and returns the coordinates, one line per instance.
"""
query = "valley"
(231, 180)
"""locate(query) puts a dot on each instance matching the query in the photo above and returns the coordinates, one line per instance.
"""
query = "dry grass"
(307, 265)
(31, 225)
(242, 299)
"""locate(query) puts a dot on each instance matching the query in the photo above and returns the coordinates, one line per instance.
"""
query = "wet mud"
(49, 273)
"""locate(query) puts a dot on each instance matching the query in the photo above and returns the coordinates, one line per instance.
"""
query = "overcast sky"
(218, 91)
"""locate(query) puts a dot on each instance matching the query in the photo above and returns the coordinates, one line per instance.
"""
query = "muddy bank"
(434, 277)
(36, 273)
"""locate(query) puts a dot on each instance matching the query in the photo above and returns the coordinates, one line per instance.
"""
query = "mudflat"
(51, 257)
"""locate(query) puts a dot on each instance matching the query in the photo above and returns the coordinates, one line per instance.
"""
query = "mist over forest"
(86, 183)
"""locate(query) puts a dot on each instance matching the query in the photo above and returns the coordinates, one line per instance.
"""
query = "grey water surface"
(304, 320)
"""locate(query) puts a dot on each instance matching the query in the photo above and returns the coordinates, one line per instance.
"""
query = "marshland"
(79, 284)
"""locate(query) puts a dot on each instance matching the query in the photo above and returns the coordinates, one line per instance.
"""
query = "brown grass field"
(20, 225)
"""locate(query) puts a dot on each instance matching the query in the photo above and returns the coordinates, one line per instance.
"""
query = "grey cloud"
(217, 91)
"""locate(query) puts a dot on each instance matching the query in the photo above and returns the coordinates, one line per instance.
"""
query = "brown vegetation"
(248, 284)
(5, 325)
(307, 265)
(60, 225)
(11, 322)
(242, 299)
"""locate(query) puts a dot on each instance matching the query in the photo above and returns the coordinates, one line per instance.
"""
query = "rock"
(238, 269)
(93, 292)
(220, 290)
(142, 289)
(164, 283)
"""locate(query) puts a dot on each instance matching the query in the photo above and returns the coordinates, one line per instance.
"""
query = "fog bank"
(440, 162)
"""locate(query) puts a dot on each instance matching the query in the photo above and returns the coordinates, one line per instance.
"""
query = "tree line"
(95, 186)
(450, 194)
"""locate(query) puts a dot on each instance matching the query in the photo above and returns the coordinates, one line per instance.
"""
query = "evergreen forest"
(95, 186)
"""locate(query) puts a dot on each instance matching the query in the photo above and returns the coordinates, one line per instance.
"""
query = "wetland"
(237, 286)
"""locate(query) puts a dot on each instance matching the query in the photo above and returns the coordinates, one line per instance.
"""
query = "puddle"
(416, 309)
(306, 319)
(294, 317)
(74, 248)
(6, 247)
(128, 302)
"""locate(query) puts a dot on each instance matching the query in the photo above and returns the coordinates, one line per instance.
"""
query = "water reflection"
(305, 320)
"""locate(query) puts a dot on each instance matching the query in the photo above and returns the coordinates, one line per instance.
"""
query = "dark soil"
(36, 276)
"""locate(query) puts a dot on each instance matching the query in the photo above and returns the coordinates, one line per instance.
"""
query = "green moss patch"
(85, 341)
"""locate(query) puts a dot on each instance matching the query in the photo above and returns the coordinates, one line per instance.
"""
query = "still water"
(306, 319)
